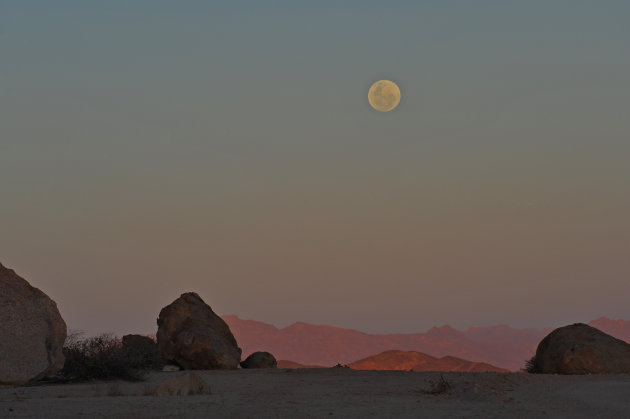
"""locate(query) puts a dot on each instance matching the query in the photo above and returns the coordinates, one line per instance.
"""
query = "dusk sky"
(149, 148)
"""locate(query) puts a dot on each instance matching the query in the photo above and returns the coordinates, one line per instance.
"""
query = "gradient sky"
(148, 148)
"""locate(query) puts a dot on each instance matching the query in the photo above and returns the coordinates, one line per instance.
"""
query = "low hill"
(394, 360)
(417, 361)
(283, 363)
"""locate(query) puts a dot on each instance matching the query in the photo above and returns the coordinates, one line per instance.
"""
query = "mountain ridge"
(501, 346)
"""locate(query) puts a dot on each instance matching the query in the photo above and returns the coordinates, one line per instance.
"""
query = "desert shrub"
(143, 352)
(439, 386)
(103, 357)
(531, 366)
(114, 390)
(340, 366)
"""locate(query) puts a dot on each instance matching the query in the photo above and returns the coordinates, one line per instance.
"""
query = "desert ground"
(333, 392)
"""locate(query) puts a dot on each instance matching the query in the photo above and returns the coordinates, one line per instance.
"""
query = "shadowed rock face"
(260, 360)
(33, 332)
(191, 335)
(582, 349)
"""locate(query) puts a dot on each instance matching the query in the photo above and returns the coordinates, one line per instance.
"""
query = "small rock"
(260, 360)
(171, 368)
(187, 384)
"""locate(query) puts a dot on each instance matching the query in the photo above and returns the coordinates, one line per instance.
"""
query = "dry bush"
(438, 387)
(143, 352)
(103, 357)
(114, 390)
(340, 366)
(531, 366)
(149, 390)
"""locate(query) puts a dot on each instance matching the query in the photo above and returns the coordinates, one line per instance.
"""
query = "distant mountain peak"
(618, 328)
(442, 329)
(605, 319)
(446, 332)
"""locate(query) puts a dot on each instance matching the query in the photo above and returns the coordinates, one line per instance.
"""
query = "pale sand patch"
(334, 392)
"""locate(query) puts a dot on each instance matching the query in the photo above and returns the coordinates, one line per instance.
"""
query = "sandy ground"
(333, 392)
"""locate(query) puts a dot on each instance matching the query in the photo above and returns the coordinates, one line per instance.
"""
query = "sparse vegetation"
(531, 367)
(439, 386)
(114, 390)
(143, 352)
(104, 357)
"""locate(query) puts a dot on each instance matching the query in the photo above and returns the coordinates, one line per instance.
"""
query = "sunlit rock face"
(192, 336)
(33, 332)
(582, 349)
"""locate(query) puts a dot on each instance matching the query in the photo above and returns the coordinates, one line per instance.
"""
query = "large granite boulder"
(581, 349)
(192, 336)
(260, 360)
(33, 332)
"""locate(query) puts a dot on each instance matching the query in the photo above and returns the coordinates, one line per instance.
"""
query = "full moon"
(384, 95)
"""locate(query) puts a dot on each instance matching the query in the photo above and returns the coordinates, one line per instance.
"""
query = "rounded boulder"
(581, 349)
(33, 331)
(260, 360)
(193, 337)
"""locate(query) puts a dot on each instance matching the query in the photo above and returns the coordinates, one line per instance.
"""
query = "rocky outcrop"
(33, 332)
(187, 384)
(581, 349)
(192, 336)
(260, 360)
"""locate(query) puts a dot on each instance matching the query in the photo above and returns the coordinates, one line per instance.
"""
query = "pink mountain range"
(307, 344)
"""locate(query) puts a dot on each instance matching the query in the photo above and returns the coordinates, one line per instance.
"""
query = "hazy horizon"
(90, 329)
(228, 148)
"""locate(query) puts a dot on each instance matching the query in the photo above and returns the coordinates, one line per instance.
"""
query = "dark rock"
(192, 336)
(581, 349)
(260, 360)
